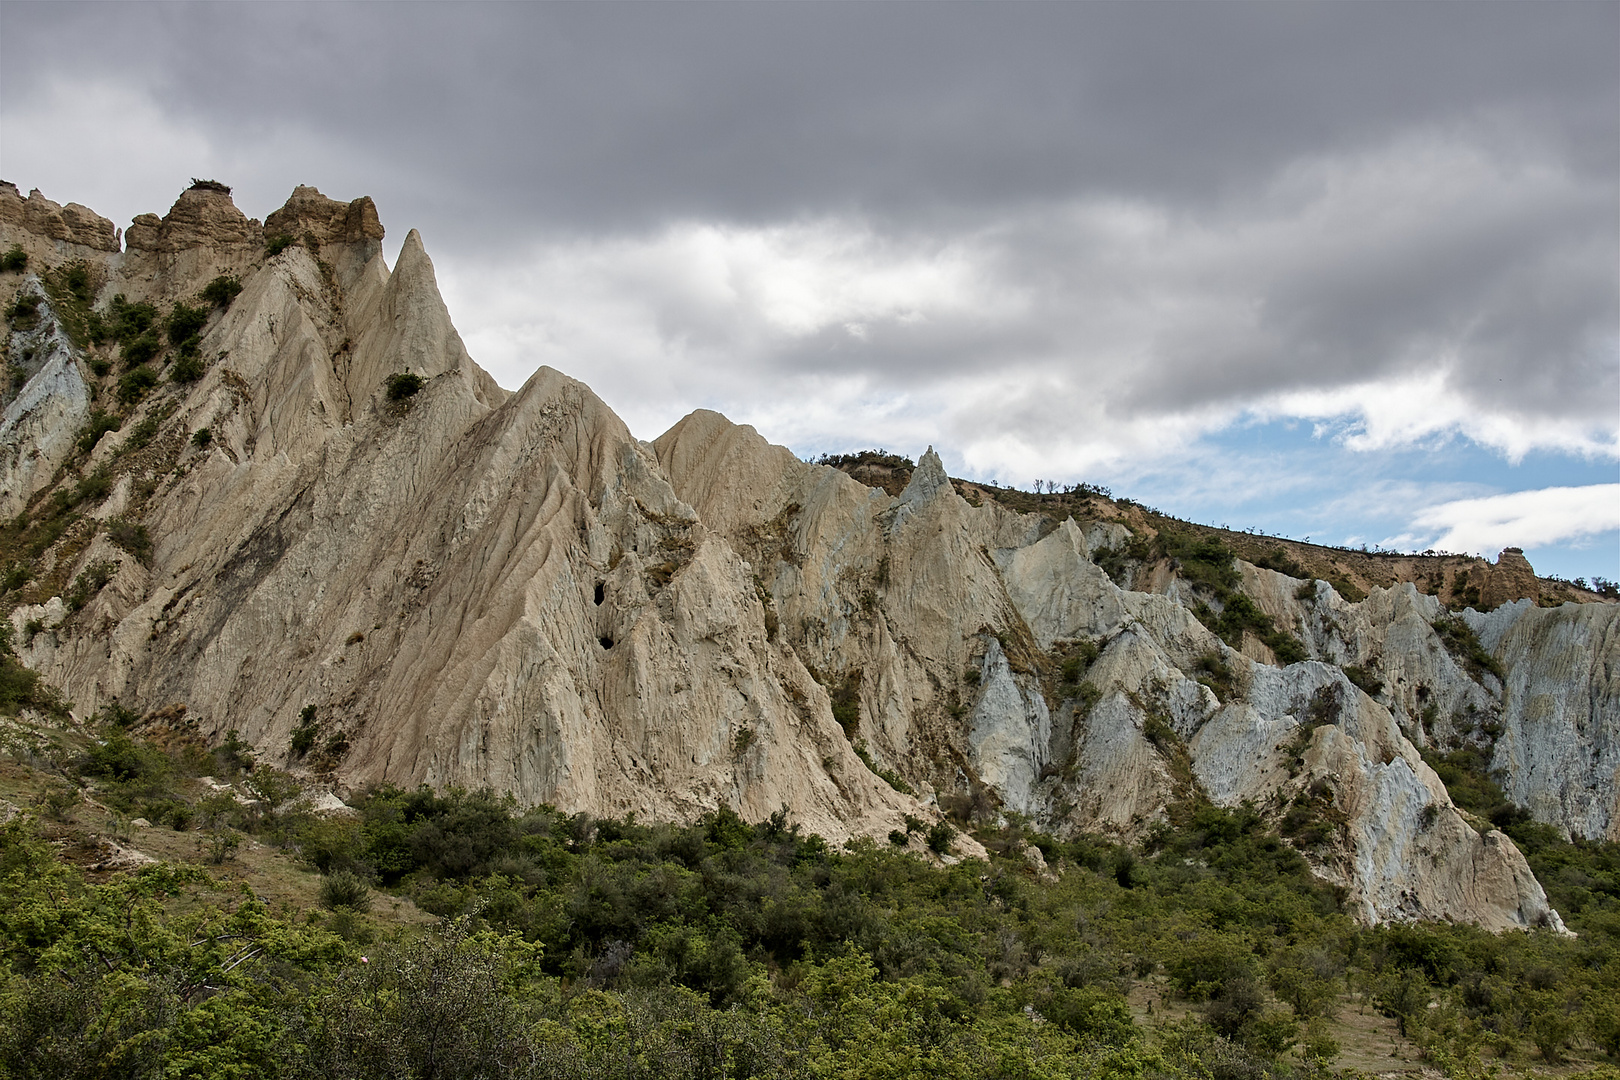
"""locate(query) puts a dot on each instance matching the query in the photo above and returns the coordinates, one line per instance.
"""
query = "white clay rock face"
(454, 584)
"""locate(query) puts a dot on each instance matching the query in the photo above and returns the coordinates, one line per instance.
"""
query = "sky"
(1342, 271)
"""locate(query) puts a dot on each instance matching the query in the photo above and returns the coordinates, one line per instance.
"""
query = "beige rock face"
(200, 217)
(309, 213)
(347, 234)
(474, 587)
(40, 217)
(1512, 578)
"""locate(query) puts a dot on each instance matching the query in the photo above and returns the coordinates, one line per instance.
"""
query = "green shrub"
(76, 279)
(117, 757)
(1365, 679)
(93, 488)
(1461, 641)
(16, 576)
(1203, 562)
(24, 311)
(939, 838)
(129, 321)
(99, 424)
(185, 322)
(303, 736)
(888, 776)
(403, 384)
(14, 261)
(133, 385)
(345, 889)
(131, 536)
(188, 368)
(275, 245)
(202, 437)
(1214, 672)
(142, 434)
(221, 291)
(118, 715)
(138, 350)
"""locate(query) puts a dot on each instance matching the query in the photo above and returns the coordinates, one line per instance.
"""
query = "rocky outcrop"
(1512, 578)
(70, 224)
(308, 213)
(1558, 751)
(470, 586)
(40, 425)
(200, 217)
(348, 234)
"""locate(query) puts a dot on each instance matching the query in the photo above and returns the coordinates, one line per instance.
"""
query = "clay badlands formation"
(454, 584)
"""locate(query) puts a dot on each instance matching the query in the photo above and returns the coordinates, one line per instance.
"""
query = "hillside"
(1458, 581)
(253, 481)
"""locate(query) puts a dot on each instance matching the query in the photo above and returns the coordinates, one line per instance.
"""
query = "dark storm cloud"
(593, 116)
(1120, 222)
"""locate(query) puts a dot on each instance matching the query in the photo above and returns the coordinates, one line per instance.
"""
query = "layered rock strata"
(470, 586)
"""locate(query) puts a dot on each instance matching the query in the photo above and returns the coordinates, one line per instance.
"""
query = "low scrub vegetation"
(571, 945)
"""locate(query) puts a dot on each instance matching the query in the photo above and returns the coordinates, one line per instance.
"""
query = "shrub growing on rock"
(403, 384)
(221, 291)
(133, 385)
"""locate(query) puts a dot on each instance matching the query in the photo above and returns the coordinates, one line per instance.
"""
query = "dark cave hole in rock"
(601, 592)
(607, 642)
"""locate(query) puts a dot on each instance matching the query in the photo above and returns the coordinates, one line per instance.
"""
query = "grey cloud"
(490, 127)
(585, 116)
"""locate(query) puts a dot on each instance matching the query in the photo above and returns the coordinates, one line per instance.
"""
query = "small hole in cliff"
(601, 593)
(607, 642)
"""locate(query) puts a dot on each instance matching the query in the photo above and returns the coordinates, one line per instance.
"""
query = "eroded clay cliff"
(454, 584)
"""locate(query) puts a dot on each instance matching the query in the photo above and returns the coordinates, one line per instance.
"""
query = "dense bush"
(133, 385)
(221, 291)
(24, 311)
(189, 367)
(403, 384)
(577, 946)
(139, 350)
(185, 322)
(125, 321)
(14, 261)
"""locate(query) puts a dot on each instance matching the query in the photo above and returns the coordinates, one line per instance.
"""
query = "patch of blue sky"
(1295, 479)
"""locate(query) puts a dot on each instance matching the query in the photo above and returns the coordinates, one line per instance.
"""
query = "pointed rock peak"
(308, 213)
(927, 480)
(413, 269)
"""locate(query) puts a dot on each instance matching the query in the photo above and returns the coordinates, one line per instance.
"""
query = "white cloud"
(1542, 517)
(1064, 339)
